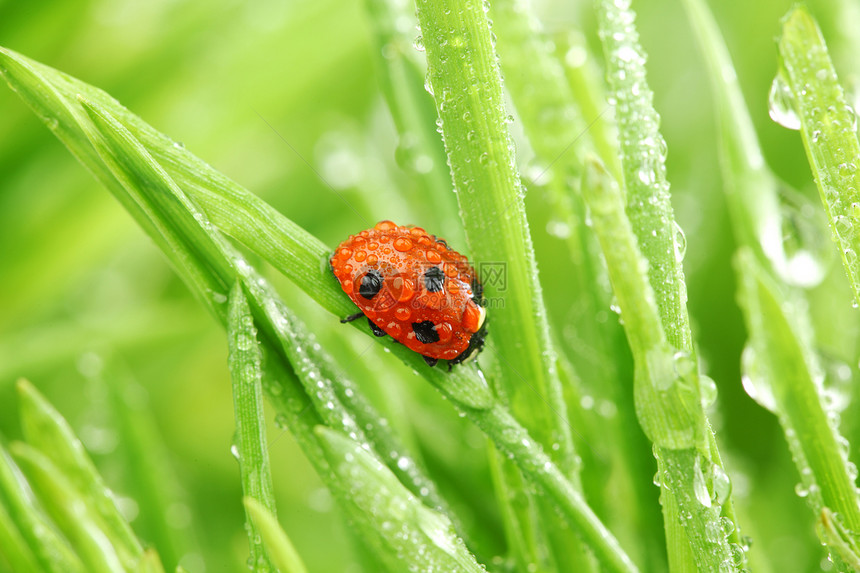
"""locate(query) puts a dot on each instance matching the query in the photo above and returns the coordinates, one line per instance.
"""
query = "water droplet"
(234, 450)
(755, 381)
(781, 105)
(721, 485)
(707, 390)
(808, 253)
(700, 488)
(428, 85)
(680, 243)
(418, 43)
(852, 117)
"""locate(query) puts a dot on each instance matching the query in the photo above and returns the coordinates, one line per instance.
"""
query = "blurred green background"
(284, 98)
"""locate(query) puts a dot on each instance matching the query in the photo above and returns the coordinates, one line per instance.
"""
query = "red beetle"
(413, 287)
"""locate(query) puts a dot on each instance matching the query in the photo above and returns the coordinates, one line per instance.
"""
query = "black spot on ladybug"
(376, 330)
(434, 279)
(425, 332)
(431, 362)
(370, 284)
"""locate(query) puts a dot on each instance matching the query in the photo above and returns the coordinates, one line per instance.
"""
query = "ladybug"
(412, 286)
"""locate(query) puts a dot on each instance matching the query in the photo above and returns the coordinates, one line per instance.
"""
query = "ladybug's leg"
(431, 362)
(376, 330)
(351, 317)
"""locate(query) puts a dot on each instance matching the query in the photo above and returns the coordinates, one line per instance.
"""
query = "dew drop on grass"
(755, 381)
(781, 104)
(808, 253)
(721, 485)
(707, 390)
(680, 243)
(700, 487)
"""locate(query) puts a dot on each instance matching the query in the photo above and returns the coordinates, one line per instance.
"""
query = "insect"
(412, 286)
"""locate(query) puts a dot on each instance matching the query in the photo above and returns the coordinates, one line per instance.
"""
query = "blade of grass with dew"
(466, 83)
(419, 152)
(662, 243)
(376, 491)
(69, 510)
(467, 86)
(666, 401)
(47, 431)
(245, 360)
(807, 95)
(139, 181)
(561, 139)
(782, 366)
(51, 550)
(750, 187)
(274, 539)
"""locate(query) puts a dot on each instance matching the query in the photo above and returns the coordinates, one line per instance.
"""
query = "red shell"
(407, 296)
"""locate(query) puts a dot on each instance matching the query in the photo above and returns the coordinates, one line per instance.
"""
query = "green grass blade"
(47, 431)
(51, 550)
(667, 400)
(245, 360)
(13, 547)
(807, 92)
(783, 368)
(278, 546)
(643, 152)
(466, 83)
(750, 187)
(69, 510)
(410, 534)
